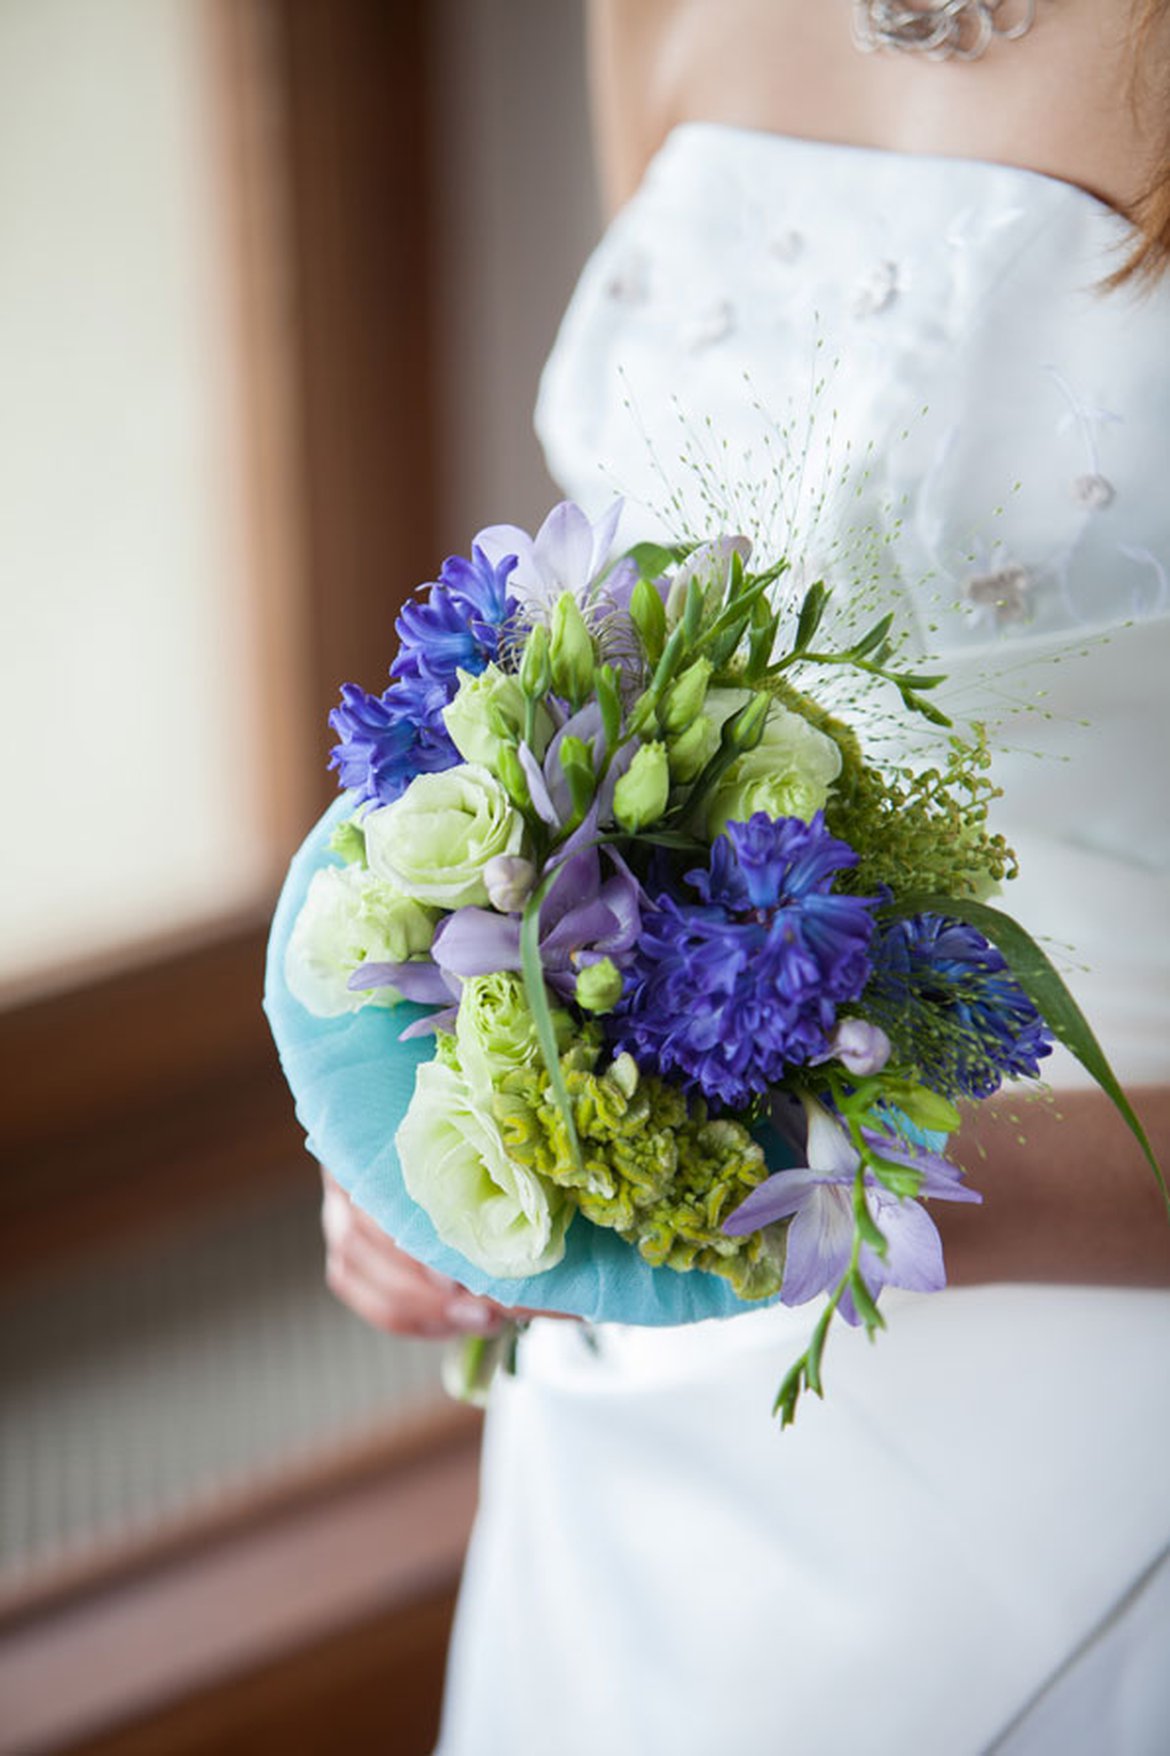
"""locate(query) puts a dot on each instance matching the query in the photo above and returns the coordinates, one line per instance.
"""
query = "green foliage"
(924, 831)
(661, 1174)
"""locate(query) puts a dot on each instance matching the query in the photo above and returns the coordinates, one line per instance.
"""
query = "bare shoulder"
(626, 40)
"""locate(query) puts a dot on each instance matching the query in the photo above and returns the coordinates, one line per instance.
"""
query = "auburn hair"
(1150, 255)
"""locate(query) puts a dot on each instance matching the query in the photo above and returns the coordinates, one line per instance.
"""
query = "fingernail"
(334, 1210)
(473, 1315)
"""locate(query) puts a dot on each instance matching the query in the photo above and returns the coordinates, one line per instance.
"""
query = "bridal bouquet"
(622, 967)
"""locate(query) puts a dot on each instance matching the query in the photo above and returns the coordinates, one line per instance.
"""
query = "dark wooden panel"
(358, 114)
(257, 1624)
(375, 1688)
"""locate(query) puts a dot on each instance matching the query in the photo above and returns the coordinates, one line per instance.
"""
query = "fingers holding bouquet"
(390, 1290)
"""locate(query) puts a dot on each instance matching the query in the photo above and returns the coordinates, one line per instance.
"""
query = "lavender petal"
(422, 981)
(819, 1244)
(477, 942)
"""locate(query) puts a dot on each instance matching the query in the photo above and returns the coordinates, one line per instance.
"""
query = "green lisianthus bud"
(745, 729)
(348, 841)
(508, 879)
(648, 614)
(690, 752)
(535, 670)
(599, 986)
(570, 650)
(685, 697)
(640, 796)
(512, 777)
(577, 765)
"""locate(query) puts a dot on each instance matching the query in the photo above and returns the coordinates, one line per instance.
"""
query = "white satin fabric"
(964, 1548)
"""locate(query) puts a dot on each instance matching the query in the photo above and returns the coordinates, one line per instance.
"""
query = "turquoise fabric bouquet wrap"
(622, 981)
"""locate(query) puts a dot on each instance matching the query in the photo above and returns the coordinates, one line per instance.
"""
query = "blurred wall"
(519, 214)
(128, 797)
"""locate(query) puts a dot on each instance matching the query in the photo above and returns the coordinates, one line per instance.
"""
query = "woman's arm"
(1067, 1195)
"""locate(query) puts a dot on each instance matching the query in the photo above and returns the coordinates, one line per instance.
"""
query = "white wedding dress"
(964, 1548)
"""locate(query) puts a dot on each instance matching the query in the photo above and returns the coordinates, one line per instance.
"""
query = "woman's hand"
(387, 1288)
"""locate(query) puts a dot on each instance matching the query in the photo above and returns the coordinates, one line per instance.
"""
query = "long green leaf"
(1046, 989)
(537, 996)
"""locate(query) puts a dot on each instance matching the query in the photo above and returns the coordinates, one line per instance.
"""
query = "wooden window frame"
(147, 1095)
(151, 1090)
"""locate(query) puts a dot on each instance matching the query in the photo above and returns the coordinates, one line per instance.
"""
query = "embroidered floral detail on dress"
(629, 284)
(1094, 491)
(1002, 594)
(877, 290)
(786, 246)
(707, 327)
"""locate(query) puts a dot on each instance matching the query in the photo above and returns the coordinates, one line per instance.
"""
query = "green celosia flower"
(657, 1171)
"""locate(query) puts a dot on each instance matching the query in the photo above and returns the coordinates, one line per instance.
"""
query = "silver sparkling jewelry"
(959, 29)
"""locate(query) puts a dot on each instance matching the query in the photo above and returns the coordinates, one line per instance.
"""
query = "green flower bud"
(512, 777)
(577, 764)
(570, 650)
(599, 986)
(535, 670)
(745, 729)
(640, 796)
(691, 751)
(508, 880)
(685, 697)
(348, 842)
(648, 614)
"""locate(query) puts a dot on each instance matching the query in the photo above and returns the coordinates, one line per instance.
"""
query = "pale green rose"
(350, 917)
(496, 1212)
(720, 704)
(495, 1032)
(435, 841)
(482, 706)
(789, 774)
(641, 795)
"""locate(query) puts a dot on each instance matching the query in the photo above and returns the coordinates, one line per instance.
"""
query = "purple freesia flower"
(568, 553)
(584, 917)
(386, 740)
(730, 992)
(818, 1200)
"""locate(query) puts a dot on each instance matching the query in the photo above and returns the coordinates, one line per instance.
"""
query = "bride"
(967, 206)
